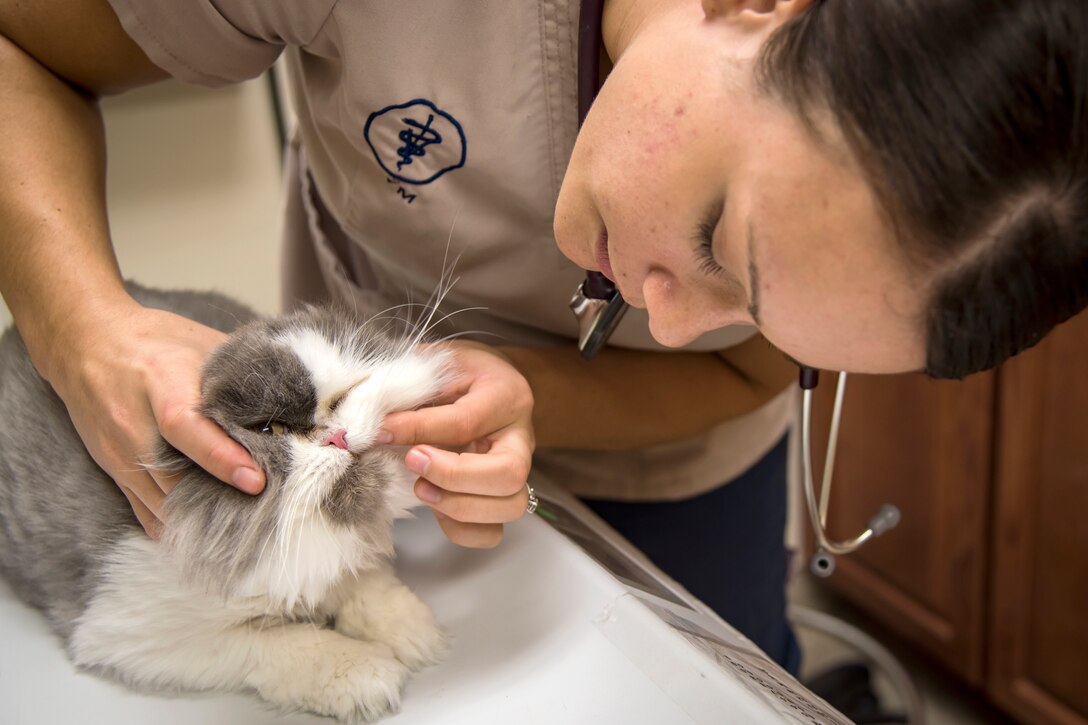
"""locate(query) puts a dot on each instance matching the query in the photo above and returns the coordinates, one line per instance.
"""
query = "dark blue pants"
(726, 547)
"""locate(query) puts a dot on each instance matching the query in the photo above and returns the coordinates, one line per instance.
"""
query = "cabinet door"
(1039, 625)
(925, 446)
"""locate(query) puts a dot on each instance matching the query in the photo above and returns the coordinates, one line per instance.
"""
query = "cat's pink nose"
(338, 439)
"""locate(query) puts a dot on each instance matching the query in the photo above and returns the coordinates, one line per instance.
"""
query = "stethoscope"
(599, 308)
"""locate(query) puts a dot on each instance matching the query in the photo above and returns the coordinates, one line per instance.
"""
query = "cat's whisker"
(466, 333)
(447, 316)
(298, 524)
(436, 299)
(332, 538)
(284, 524)
(260, 554)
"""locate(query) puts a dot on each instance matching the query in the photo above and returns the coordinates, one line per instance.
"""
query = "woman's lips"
(603, 260)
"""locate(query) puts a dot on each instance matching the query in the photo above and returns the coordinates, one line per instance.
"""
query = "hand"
(487, 414)
(134, 377)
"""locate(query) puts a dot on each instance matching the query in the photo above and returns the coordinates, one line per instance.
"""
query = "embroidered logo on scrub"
(415, 142)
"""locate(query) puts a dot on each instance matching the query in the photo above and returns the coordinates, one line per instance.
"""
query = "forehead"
(251, 378)
(333, 365)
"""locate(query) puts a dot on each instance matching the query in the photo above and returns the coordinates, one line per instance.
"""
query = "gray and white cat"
(289, 593)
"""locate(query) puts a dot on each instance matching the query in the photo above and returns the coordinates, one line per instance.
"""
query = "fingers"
(473, 536)
(488, 416)
(152, 524)
(470, 417)
(209, 447)
(490, 395)
(472, 508)
(472, 494)
(501, 471)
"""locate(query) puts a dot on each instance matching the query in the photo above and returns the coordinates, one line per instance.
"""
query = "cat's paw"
(416, 639)
(400, 620)
(345, 678)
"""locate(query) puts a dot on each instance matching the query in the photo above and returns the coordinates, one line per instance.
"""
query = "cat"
(289, 593)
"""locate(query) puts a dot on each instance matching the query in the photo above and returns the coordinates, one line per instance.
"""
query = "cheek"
(271, 452)
(849, 340)
(358, 414)
(844, 317)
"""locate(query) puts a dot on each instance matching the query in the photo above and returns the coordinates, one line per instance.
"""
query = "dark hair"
(969, 120)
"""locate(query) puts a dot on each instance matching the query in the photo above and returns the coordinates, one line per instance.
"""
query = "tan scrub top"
(431, 143)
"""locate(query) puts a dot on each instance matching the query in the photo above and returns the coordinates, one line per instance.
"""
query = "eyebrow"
(753, 277)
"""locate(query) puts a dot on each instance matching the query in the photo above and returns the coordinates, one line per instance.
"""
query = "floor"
(945, 702)
(194, 194)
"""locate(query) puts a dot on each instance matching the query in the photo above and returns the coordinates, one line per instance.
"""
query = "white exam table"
(541, 634)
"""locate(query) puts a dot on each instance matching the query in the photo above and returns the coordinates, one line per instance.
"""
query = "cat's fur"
(289, 593)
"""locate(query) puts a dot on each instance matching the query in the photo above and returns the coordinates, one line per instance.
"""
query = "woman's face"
(710, 204)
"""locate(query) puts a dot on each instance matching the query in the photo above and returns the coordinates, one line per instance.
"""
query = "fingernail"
(246, 479)
(427, 492)
(383, 437)
(417, 462)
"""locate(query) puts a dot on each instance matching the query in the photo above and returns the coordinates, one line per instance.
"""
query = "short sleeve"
(216, 42)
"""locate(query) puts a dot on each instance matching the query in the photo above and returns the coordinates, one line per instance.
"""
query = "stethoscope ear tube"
(886, 519)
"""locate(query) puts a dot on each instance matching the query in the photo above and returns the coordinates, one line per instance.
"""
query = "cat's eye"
(274, 428)
(335, 402)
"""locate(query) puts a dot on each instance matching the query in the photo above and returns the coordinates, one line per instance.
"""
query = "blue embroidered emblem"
(415, 142)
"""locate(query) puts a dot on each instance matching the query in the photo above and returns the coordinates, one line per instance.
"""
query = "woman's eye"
(705, 256)
(274, 428)
(704, 238)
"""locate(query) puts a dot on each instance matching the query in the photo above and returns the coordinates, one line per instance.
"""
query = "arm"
(124, 372)
(628, 399)
(509, 399)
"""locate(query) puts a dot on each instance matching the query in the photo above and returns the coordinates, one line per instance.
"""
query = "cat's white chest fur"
(305, 560)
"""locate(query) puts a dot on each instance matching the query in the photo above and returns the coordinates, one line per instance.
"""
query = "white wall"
(194, 189)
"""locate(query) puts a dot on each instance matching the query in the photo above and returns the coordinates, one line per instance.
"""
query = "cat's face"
(306, 395)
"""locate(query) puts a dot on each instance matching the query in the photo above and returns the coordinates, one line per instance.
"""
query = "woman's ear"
(780, 10)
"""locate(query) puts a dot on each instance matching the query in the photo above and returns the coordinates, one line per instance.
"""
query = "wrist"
(551, 375)
(74, 325)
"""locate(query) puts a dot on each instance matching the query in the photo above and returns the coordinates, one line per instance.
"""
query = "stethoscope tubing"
(885, 519)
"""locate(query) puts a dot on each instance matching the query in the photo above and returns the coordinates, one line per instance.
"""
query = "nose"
(338, 439)
(679, 314)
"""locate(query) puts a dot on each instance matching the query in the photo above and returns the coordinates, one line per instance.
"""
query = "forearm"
(55, 254)
(626, 399)
(57, 268)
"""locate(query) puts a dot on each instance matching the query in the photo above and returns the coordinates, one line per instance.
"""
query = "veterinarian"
(876, 186)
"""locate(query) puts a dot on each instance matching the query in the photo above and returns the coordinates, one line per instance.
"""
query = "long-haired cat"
(289, 593)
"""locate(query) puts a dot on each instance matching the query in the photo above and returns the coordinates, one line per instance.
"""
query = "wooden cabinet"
(988, 571)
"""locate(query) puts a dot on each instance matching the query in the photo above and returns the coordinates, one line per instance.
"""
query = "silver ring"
(533, 500)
